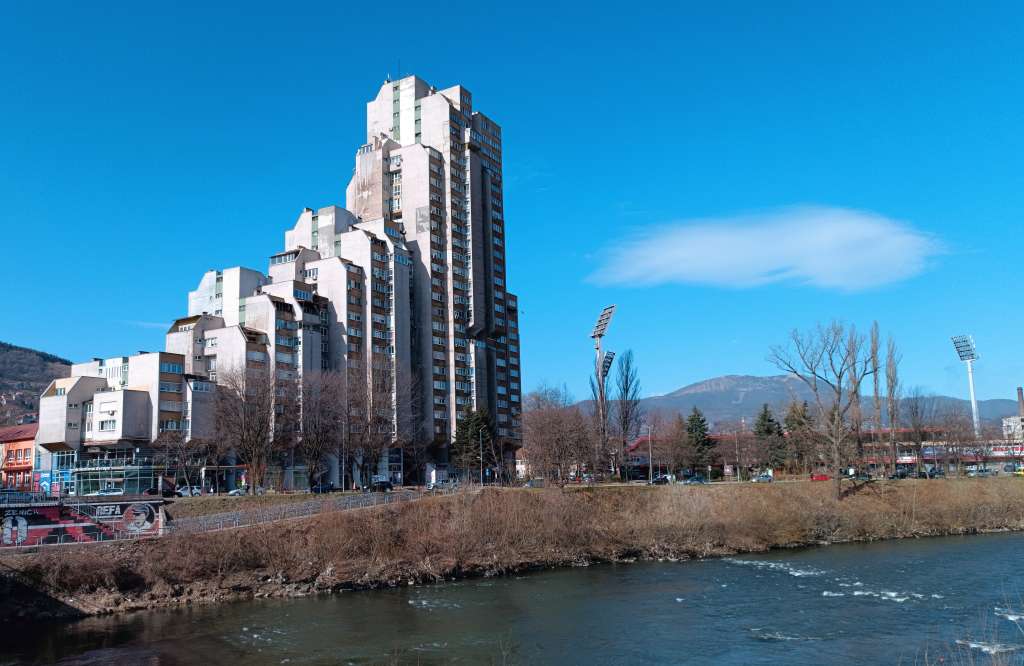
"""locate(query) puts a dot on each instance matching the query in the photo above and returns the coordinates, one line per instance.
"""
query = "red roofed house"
(17, 446)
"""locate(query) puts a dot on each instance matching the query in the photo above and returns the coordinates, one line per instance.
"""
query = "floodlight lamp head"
(606, 365)
(965, 349)
(602, 322)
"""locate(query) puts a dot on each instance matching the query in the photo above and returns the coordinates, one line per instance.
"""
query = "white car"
(106, 492)
(189, 491)
(239, 492)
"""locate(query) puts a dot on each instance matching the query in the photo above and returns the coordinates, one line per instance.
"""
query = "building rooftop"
(19, 432)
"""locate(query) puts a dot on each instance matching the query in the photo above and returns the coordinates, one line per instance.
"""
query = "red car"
(820, 477)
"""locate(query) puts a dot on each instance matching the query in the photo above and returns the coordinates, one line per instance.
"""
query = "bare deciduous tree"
(322, 418)
(921, 411)
(829, 360)
(599, 423)
(173, 451)
(555, 441)
(892, 397)
(371, 424)
(250, 420)
(876, 385)
(628, 413)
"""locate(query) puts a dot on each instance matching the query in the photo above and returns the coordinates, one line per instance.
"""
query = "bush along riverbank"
(491, 533)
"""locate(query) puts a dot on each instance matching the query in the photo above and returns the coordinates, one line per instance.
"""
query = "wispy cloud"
(145, 324)
(827, 247)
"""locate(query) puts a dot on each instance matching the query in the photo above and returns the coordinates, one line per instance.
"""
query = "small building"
(17, 447)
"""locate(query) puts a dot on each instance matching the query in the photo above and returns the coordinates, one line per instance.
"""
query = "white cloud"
(832, 248)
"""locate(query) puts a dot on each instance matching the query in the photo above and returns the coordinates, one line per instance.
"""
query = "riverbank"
(492, 533)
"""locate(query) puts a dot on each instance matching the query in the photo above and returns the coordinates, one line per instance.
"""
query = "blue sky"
(722, 174)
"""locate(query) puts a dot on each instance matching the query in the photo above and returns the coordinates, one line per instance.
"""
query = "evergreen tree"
(800, 435)
(473, 433)
(700, 441)
(768, 432)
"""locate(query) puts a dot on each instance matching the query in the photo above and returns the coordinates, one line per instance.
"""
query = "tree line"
(857, 410)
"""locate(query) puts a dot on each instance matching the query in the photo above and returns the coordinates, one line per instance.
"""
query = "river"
(910, 601)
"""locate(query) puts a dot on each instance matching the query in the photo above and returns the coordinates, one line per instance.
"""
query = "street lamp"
(602, 364)
(965, 349)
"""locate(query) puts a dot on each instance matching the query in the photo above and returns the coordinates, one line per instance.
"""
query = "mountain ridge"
(730, 398)
(24, 373)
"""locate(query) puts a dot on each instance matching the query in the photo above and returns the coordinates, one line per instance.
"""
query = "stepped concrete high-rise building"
(432, 167)
(404, 292)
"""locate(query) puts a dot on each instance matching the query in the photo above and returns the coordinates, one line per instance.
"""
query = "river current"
(910, 601)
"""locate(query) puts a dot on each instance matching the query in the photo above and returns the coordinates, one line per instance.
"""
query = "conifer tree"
(768, 432)
(700, 441)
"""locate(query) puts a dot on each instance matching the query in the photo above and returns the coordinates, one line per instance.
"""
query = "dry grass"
(499, 531)
(191, 507)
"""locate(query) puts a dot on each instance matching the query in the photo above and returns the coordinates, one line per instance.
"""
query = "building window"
(108, 426)
(173, 368)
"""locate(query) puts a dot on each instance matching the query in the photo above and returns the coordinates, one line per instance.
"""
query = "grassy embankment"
(193, 507)
(502, 531)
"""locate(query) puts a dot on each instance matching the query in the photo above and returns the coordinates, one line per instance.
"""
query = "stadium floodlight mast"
(968, 353)
(606, 365)
(602, 364)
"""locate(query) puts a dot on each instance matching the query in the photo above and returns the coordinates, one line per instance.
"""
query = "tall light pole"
(602, 364)
(965, 349)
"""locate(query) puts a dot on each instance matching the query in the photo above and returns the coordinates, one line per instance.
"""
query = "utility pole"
(650, 453)
(480, 437)
(737, 441)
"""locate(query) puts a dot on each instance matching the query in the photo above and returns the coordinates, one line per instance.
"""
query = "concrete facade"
(404, 292)
(432, 165)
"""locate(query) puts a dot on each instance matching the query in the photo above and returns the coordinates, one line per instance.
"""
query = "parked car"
(189, 491)
(451, 484)
(534, 483)
(239, 492)
(660, 480)
(762, 478)
(323, 488)
(898, 474)
(936, 473)
(106, 492)
(379, 487)
(695, 480)
(1019, 472)
(166, 492)
(982, 473)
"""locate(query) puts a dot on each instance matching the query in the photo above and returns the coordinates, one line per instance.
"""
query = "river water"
(911, 601)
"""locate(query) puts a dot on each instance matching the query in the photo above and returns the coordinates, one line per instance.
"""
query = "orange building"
(17, 446)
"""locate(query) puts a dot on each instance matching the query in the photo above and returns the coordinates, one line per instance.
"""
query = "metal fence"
(100, 537)
(230, 519)
(243, 518)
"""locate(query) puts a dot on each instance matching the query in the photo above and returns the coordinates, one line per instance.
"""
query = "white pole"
(974, 401)
(650, 454)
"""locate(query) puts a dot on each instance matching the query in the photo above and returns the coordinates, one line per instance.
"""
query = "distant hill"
(24, 373)
(732, 397)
